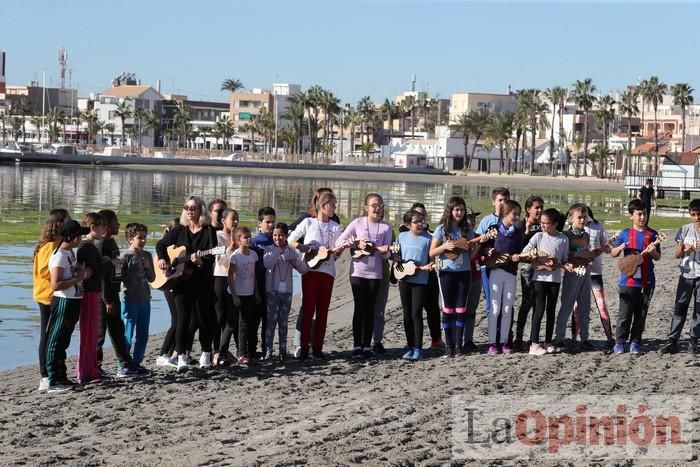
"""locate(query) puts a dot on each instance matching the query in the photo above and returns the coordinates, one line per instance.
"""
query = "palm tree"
(123, 112)
(480, 121)
(641, 92)
(557, 98)
(140, 114)
(404, 110)
(231, 85)
(605, 115)
(584, 99)
(683, 97)
(654, 93)
(109, 128)
(465, 125)
(181, 122)
(224, 129)
(314, 102)
(24, 109)
(153, 122)
(3, 119)
(93, 125)
(331, 107)
(520, 122)
(628, 106)
(388, 109)
(295, 116)
(17, 124)
(365, 108)
(37, 123)
(535, 110)
(499, 133)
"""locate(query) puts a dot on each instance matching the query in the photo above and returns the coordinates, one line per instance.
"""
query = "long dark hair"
(52, 227)
(590, 215)
(447, 220)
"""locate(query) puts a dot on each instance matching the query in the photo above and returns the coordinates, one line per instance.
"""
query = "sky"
(353, 48)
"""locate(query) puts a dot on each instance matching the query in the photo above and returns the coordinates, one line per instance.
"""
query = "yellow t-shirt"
(42, 290)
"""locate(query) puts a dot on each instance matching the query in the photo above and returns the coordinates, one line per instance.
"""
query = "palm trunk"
(585, 145)
(467, 159)
(517, 148)
(551, 132)
(628, 156)
(656, 143)
(532, 147)
(683, 134)
(500, 162)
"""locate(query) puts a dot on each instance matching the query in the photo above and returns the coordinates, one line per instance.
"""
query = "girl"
(415, 246)
(546, 278)
(366, 272)
(279, 260)
(227, 315)
(244, 292)
(531, 225)
(42, 292)
(502, 280)
(192, 297)
(317, 285)
(66, 282)
(454, 275)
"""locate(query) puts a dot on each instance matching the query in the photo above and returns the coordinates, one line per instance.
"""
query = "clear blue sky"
(353, 48)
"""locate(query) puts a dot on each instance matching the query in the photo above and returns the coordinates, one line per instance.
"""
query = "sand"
(338, 412)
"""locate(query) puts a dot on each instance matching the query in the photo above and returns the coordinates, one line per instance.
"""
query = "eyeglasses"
(418, 222)
(190, 208)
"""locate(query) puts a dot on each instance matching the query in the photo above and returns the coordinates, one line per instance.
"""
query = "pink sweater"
(377, 233)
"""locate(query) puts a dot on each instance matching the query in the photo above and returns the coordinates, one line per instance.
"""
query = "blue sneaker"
(409, 354)
(618, 349)
(416, 355)
(635, 348)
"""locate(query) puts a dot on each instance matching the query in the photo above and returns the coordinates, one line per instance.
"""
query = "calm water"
(28, 192)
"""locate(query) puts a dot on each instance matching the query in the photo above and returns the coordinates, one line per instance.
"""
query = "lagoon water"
(28, 192)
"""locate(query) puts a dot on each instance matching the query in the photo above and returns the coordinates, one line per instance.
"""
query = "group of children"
(251, 282)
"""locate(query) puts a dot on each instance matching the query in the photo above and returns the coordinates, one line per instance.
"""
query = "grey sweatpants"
(575, 290)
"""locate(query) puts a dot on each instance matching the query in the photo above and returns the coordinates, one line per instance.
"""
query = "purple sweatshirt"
(278, 268)
(368, 267)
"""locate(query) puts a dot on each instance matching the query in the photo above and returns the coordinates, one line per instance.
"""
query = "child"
(263, 239)
(454, 275)
(415, 246)
(575, 289)
(67, 276)
(226, 313)
(366, 272)
(546, 278)
(474, 292)
(636, 290)
(279, 260)
(244, 290)
(87, 370)
(317, 285)
(687, 246)
(137, 272)
(502, 280)
(42, 291)
(534, 205)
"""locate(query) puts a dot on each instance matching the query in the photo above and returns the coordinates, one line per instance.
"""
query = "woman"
(317, 285)
(49, 240)
(373, 237)
(193, 297)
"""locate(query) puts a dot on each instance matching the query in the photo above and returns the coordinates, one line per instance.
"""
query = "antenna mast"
(63, 61)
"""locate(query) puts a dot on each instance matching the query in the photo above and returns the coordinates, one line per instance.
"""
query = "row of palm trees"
(534, 105)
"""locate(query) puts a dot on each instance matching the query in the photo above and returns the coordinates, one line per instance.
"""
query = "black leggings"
(527, 286)
(169, 340)
(546, 294)
(247, 332)
(432, 306)
(412, 300)
(194, 304)
(364, 292)
(226, 316)
(44, 313)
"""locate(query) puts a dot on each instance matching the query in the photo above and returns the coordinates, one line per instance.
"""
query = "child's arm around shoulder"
(271, 256)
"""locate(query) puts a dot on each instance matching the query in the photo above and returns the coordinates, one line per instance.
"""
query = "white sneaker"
(58, 387)
(43, 384)
(205, 360)
(297, 352)
(182, 363)
(164, 360)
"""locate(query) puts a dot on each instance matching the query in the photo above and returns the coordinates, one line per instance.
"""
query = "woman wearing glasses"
(193, 297)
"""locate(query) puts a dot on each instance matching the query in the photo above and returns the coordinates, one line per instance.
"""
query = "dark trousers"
(195, 304)
(546, 294)
(634, 304)
(364, 292)
(261, 318)
(226, 316)
(113, 323)
(64, 315)
(527, 287)
(432, 306)
(169, 341)
(688, 289)
(412, 300)
(44, 313)
(247, 332)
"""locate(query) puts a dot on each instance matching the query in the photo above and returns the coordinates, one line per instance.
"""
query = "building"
(245, 105)
(204, 115)
(463, 103)
(282, 92)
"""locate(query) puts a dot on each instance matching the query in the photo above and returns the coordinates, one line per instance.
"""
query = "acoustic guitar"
(409, 268)
(180, 266)
(464, 244)
(629, 264)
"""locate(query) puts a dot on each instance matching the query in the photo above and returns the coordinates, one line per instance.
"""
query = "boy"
(266, 224)
(137, 272)
(687, 247)
(636, 290)
(110, 312)
(87, 370)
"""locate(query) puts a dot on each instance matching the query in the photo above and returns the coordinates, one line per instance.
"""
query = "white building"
(136, 96)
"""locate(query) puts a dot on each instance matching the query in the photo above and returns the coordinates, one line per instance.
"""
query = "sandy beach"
(379, 412)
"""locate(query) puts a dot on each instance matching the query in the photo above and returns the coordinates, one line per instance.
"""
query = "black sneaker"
(449, 353)
(367, 353)
(693, 347)
(357, 352)
(518, 345)
(586, 346)
(318, 355)
(671, 347)
(379, 348)
(303, 355)
(469, 347)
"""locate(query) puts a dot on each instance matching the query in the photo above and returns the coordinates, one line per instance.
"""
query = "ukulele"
(314, 258)
(180, 268)
(357, 253)
(464, 244)
(541, 257)
(629, 264)
(409, 268)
